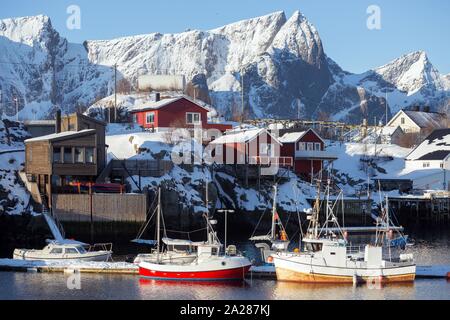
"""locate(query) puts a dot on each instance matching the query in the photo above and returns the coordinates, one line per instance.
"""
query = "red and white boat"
(209, 263)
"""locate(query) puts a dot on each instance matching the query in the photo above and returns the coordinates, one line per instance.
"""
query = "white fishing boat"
(276, 240)
(210, 263)
(328, 257)
(64, 249)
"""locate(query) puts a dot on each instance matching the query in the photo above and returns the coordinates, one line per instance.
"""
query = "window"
(135, 118)
(193, 118)
(426, 164)
(71, 251)
(89, 155)
(68, 158)
(56, 154)
(442, 166)
(79, 155)
(150, 117)
(301, 146)
(402, 120)
(56, 251)
(310, 146)
(317, 146)
(266, 149)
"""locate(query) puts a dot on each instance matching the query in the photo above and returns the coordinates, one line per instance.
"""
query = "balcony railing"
(315, 154)
(266, 161)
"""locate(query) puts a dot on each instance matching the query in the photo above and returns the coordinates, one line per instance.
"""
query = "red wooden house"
(307, 149)
(251, 147)
(178, 112)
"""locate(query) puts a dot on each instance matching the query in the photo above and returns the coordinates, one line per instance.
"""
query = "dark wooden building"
(75, 153)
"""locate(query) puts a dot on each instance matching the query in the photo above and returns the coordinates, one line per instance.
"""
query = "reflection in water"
(433, 249)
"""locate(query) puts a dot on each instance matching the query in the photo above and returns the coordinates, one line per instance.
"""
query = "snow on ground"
(14, 198)
(127, 146)
(389, 161)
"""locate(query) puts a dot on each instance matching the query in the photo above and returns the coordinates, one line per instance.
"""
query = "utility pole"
(115, 93)
(386, 103)
(242, 93)
(16, 100)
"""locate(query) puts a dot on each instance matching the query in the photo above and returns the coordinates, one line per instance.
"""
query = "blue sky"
(405, 25)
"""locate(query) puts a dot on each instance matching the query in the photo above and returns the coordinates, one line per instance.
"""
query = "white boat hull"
(304, 268)
(34, 255)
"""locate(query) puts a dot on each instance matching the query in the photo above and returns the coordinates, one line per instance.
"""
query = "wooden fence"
(104, 207)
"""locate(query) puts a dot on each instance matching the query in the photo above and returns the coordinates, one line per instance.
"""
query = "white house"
(432, 159)
(384, 135)
(411, 121)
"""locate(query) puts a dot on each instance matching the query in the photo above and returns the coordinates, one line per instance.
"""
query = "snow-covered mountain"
(280, 61)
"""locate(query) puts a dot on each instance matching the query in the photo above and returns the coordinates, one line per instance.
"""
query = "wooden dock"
(64, 267)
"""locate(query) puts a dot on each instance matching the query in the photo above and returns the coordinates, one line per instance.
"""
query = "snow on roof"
(425, 119)
(239, 136)
(155, 105)
(65, 134)
(292, 137)
(387, 130)
(435, 147)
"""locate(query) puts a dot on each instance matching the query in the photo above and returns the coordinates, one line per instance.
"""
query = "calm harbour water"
(431, 248)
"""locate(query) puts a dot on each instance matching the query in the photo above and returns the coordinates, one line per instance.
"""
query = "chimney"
(415, 108)
(58, 121)
(157, 97)
(426, 109)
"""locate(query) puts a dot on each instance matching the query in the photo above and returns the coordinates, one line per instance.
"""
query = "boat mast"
(158, 226)
(208, 232)
(274, 212)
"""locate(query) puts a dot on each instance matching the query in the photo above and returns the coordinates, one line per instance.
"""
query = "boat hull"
(294, 271)
(194, 272)
(30, 256)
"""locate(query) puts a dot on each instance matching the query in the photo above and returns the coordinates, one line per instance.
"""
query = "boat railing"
(355, 249)
(100, 246)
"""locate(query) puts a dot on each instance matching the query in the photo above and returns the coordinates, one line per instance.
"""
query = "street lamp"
(226, 211)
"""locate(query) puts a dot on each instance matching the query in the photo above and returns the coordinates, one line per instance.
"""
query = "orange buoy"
(448, 275)
(270, 259)
(283, 236)
(296, 250)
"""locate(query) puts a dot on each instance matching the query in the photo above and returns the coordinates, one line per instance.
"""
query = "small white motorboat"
(69, 251)
(65, 249)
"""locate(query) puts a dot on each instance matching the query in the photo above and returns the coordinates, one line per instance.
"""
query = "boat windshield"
(179, 248)
(81, 249)
(313, 247)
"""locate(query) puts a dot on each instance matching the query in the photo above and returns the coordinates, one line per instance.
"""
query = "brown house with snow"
(75, 152)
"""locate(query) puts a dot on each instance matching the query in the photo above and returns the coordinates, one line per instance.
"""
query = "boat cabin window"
(179, 248)
(314, 247)
(214, 251)
(71, 251)
(81, 249)
(56, 251)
